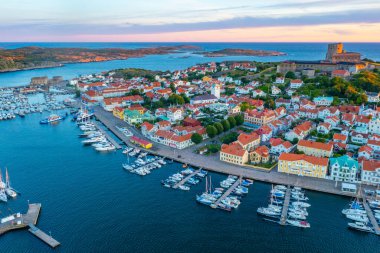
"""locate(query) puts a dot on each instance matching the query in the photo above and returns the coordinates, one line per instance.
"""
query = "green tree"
(226, 125)
(290, 75)
(232, 121)
(219, 127)
(211, 131)
(196, 138)
(239, 119)
(172, 87)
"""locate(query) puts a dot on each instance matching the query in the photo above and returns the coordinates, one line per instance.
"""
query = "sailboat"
(8, 189)
(3, 196)
(206, 198)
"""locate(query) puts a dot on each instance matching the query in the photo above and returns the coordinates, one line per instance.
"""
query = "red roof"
(298, 157)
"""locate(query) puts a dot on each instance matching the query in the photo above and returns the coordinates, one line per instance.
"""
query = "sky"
(190, 21)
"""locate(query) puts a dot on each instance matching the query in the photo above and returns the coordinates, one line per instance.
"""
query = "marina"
(183, 181)
(229, 191)
(285, 207)
(109, 138)
(371, 216)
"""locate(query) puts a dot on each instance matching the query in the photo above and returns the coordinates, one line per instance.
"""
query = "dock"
(185, 179)
(43, 236)
(285, 206)
(109, 138)
(371, 217)
(228, 192)
(19, 221)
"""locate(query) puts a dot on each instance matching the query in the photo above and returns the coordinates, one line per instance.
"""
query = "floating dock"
(43, 236)
(109, 138)
(18, 221)
(286, 206)
(228, 192)
(371, 217)
(185, 179)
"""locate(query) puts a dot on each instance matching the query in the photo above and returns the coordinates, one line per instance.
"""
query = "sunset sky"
(191, 20)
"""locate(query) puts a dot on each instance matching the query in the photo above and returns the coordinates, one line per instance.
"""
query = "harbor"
(285, 208)
(19, 221)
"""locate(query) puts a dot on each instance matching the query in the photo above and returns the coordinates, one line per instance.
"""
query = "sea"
(91, 204)
(294, 51)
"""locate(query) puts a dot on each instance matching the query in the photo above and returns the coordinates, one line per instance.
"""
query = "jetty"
(228, 192)
(371, 217)
(286, 206)
(109, 138)
(19, 221)
(185, 179)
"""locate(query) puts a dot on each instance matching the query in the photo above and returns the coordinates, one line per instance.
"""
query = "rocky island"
(241, 52)
(39, 57)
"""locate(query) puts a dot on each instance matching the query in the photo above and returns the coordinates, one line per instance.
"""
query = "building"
(248, 141)
(303, 165)
(323, 101)
(279, 146)
(370, 172)
(215, 90)
(141, 142)
(259, 117)
(318, 149)
(336, 53)
(204, 99)
(344, 169)
(260, 155)
(340, 73)
(37, 81)
(191, 122)
(296, 83)
(234, 153)
(374, 126)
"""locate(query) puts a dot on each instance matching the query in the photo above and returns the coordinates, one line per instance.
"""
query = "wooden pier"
(228, 192)
(109, 138)
(285, 206)
(185, 179)
(371, 217)
(43, 236)
(18, 221)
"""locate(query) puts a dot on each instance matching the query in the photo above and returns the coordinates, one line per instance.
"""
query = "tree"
(239, 119)
(244, 106)
(196, 138)
(219, 127)
(226, 125)
(232, 121)
(211, 131)
(290, 75)
(176, 99)
(172, 87)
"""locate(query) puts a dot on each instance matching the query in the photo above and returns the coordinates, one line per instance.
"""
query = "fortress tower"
(332, 49)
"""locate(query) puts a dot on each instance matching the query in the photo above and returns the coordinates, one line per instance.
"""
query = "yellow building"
(234, 153)
(206, 78)
(315, 148)
(118, 112)
(303, 165)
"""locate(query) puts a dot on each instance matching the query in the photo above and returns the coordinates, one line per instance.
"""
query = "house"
(303, 165)
(332, 120)
(324, 128)
(344, 169)
(365, 152)
(248, 141)
(204, 99)
(308, 113)
(348, 119)
(143, 143)
(374, 126)
(260, 118)
(300, 131)
(279, 146)
(147, 129)
(163, 125)
(340, 138)
(359, 138)
(340, 73)
(265, 132)
(372, 97)
(258, 93)
(275, 90)
(375, 145)
(363, 121)
(174, 114)
(118, 112)
(370, 172)
(323, 101)
(318, 149)
(234, 153)
(280, 80)
(296, 83)
(283, 102)
(191, 122)
(307, 104)
(233, 109)
(260, 155)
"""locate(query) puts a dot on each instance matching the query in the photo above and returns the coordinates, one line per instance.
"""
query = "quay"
(43, 236)
(109, 138)
(286, 206)
(185, 179)
(371, 217)
(19, 221)
(212, 163)
(228, 192)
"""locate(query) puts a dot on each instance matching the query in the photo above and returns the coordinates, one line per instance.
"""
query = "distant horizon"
(238, 42)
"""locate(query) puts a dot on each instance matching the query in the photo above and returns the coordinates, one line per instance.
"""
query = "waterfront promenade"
(212, 163)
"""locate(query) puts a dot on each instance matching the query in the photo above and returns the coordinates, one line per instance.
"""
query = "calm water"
(90, 204)
(294, 51)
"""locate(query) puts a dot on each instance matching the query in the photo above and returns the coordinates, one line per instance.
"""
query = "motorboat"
(298, 215)
(357, 217)
(298, 223)
(353, 211)
(184, 187)
(268, 212)
(360, 226)
(301, 204)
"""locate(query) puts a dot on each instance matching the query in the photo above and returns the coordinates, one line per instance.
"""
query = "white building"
(215, 90)
(370, 172)
(344, 169)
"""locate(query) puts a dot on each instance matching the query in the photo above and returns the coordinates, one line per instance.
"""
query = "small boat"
(297, 215)
(268, 212)
(374, 204)
(360, 226)
(8, 189)
(356, 217)
(353, 211)
(52, 118)
(301, 204)
(184, 187)
(297, 223)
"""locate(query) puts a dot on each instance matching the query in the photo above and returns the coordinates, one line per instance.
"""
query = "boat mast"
(7, 182)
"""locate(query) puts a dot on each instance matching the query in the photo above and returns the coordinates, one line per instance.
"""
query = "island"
(241, 52)
(40, 57)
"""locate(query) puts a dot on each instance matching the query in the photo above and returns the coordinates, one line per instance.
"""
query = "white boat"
(268, 212)
(301, 204)
(297, 223)
(281, 187)
(360, 226)
(353, 211)
(184, 187)
(356, 217)
(93, 140)
(3, 195)
(298, 215)
(105, 148)
(8, 189)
